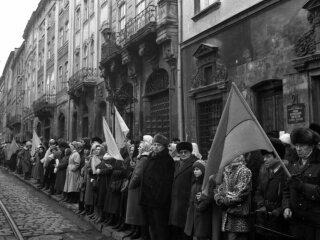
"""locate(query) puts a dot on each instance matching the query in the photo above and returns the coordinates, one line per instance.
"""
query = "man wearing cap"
(156, 185)
(24, 157)
(269, 194)
(302, 198)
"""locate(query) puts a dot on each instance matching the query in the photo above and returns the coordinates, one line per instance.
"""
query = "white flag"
(121, 129)
(111, 143)
(35, 142)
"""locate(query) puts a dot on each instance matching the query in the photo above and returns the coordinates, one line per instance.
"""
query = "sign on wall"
(296, 113)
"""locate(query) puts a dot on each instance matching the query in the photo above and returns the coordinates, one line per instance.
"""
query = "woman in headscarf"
(173, 151)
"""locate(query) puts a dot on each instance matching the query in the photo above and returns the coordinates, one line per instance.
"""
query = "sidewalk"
(106, 231)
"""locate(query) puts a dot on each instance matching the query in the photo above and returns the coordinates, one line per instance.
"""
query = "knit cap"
(201, 165)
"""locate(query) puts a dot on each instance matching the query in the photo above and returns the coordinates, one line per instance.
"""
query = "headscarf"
(146, 148)
(174, 154)
(195, 151)
(96, 159)
(148, 139)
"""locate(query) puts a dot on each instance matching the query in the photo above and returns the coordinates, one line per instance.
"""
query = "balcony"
(13, 121)
(44, 105)
(81, 80)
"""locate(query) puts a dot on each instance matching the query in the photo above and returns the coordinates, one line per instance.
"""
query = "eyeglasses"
(184, 152)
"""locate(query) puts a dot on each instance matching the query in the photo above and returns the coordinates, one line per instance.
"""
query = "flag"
(12, 148)
(111, 143)
(238, 132)
(121, 129)
(35, 142)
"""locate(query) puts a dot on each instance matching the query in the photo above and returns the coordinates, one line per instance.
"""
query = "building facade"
(255, 44)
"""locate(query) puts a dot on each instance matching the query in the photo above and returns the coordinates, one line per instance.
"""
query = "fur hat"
(304, 136)
(159, 138)
(201, 165)
(96, 139)
(278, 146)
(315, 127)
(184, 146)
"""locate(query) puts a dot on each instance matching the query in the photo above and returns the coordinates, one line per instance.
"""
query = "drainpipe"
(179, 80)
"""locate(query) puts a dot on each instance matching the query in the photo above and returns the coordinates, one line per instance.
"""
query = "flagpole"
(261, 129)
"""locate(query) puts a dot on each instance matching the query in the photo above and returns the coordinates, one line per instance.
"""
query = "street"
(37, 216)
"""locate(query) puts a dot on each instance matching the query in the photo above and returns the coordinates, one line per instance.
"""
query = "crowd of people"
(156, 192)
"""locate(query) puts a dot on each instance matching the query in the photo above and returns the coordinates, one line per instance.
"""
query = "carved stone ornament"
(207, 56)
(307, 44)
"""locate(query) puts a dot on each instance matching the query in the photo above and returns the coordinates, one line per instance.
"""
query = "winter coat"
(269, 195)
(24, 157)
(181, 188)
(113, 193)
(234, 192)
(157, 179)
(102, 181)
(73, 173)
(38, 167)
(88, 175)
(135, 213)
(198, 221)
(61, 173)
(305, 202)
(216, 215)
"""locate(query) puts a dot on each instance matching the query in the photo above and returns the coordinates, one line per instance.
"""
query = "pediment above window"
(205, 49)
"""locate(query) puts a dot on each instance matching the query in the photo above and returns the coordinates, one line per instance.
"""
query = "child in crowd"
(198, 222)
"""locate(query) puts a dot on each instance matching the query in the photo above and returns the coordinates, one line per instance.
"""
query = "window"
(66, 31)
(91, 53)
(91, 7)
(85, 56)
(141, 5)
(66, 72)
(49, 50)
(122, 16)
(199, 5)
(61, 36)
(77, 22)
(60, 76)
(77, 62)
(85, 10)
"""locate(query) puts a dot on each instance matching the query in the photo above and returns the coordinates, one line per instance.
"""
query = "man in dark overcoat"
(156, 186)
(269, 194)
(302, 199)
(181, 190)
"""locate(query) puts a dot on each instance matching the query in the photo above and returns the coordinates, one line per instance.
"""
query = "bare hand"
(287, 213)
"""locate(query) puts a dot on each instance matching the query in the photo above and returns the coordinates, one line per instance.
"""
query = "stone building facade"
(138, 64)
(254, 44)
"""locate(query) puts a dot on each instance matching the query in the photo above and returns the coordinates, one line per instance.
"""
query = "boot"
(137, 234)
(123, 227)
(133, 230)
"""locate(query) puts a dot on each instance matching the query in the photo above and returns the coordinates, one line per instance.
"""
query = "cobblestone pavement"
(35, 216)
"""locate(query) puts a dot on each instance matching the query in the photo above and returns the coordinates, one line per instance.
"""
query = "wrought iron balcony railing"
(84, 77)
(148, 15)
(44, 102)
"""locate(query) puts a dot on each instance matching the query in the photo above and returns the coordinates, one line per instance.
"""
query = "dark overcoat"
(157, 179)
(61, 173)
(305, 202)
(135, 213)
(102, 180)
(181, 188)
(198, 222)
(25, 160)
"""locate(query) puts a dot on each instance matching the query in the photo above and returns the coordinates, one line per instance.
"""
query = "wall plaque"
(296, 113)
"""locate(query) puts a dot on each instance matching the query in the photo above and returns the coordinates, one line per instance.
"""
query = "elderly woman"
(233, 195)
(135, 214)
(73, 173)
